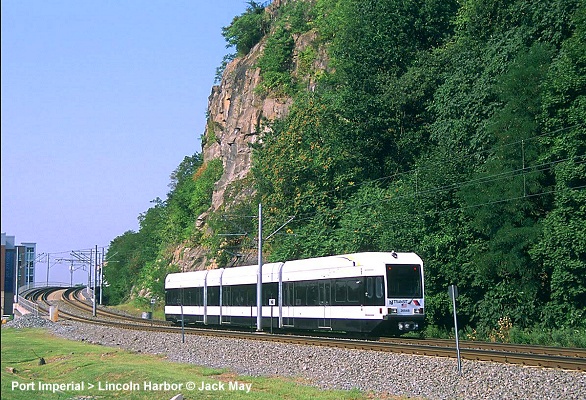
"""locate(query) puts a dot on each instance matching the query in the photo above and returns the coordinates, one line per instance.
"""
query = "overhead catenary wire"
(422, 191)
(432, 166)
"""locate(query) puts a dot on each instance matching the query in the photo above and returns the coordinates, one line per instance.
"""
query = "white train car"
(360, 292)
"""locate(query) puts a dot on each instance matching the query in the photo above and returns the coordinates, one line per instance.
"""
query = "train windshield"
(404, 280)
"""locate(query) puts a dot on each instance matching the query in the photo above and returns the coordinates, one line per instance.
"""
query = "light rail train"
(360, 292)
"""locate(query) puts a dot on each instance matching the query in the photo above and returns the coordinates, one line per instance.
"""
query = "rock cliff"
(237, 115)
(235, 112)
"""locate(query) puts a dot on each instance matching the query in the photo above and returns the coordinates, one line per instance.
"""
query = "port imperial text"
(131, 386)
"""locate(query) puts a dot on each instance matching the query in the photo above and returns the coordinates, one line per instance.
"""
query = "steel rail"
(101, 311)
(536, 356)
(505, 347)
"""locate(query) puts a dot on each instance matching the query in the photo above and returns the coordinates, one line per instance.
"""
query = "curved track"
(550, 357)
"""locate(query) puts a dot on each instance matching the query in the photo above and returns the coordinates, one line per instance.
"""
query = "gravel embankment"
(396, 374)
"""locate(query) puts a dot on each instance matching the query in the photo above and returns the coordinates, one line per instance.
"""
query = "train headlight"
(393, 310)
(418, 310)
(401, 327)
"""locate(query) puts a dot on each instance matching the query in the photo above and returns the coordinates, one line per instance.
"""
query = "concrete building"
(17, 270)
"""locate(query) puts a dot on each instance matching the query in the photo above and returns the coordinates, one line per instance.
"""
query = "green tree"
(179, 211)
(247, 29)
(276, 61)
(124, 262)
(562, 248)
(505, 198)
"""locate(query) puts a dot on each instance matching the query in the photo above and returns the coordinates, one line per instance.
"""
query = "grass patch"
(74, 363)
(136, 309)
(506, 333)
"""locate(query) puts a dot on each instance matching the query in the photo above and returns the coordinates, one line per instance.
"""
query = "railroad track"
(84, 309)
(73, 298)
(538, 356)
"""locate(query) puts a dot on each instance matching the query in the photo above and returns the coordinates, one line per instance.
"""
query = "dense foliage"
(452, 129)
(455, 129)
(248, 29)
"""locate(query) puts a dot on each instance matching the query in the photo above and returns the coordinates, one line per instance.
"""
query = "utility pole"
(84, 258)
(48, 256)
(102, 275)
(453, 293)
(95, 278)
(260, 266)
(16, 276)
(259, 278)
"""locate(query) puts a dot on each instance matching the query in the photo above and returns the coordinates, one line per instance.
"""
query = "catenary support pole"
(94, 287)
(102, 275)
(259, 278)
(453, 293)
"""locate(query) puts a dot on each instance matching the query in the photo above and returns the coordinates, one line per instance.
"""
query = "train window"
(240, 299)
(195, 296)
(226, 295)
(172, 297)
(251, 294)
(300, 292)
(186, 297)
(236, 295)
(325, 293)
(369, 287)
(269, 291)
(288, 293)
(353, 286)
(379, 287)
(213, 295)
(404, 280)
(340, 291)
(243, 295)
(312, 294)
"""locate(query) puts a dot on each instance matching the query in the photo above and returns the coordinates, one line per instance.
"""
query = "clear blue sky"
(101, 101)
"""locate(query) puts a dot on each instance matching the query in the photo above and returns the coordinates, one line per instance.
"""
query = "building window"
(29, 261)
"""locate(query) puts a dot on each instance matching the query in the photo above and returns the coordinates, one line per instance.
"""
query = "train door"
(226, 304)
(370, 295)
(288, 304)
(199, 303)
(325, 301)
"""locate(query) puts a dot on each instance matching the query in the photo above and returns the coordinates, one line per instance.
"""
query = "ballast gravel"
(411, 376)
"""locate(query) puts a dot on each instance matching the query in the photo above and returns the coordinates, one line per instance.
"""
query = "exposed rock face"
(235, 113)
(236, 118)
(189, 258)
